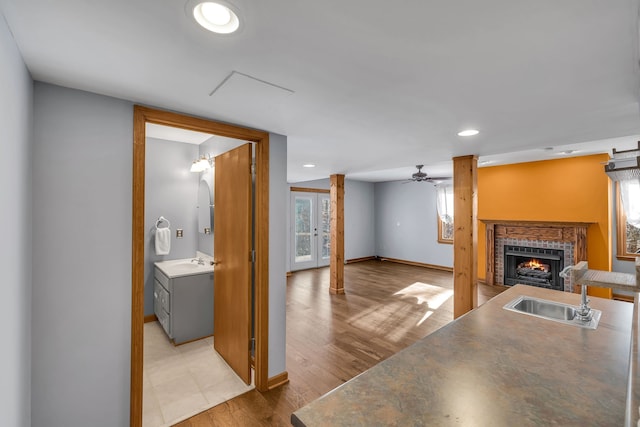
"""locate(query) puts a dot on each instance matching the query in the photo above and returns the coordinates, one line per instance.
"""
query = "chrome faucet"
(584, 312)
(199, 260)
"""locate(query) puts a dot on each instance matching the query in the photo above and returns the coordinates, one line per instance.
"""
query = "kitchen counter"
(494, 367)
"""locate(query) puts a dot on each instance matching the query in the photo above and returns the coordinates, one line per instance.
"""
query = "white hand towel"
(163, 241)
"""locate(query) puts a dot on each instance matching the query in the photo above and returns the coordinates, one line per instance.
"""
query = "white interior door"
(311, 237)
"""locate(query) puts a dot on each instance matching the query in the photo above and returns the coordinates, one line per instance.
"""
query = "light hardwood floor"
(333, 338)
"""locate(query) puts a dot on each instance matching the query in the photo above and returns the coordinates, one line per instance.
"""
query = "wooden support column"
(336, 264)
(465, 234)
(490, 251)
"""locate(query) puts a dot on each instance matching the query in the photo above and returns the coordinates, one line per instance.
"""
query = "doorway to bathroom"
(186, 369)
(255, 319)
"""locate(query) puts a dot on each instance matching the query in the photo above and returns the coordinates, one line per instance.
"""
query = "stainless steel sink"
(551, 310)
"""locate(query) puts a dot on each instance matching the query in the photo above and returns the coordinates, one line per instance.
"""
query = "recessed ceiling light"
(468, 132)
(216, 17)
(309, 165)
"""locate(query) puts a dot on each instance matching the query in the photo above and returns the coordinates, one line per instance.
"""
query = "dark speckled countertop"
(494, 367)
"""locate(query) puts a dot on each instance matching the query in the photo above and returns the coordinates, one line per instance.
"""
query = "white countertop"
(184, 267)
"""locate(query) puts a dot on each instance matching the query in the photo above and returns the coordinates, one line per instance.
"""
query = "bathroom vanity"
(183, 299)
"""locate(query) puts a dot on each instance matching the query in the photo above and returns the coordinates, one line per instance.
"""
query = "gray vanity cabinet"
(184, 305)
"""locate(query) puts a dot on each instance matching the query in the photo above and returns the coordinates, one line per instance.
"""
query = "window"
(444, 206)
(628, 235)
(445, 230)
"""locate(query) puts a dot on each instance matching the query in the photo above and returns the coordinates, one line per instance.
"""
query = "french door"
(311, 237)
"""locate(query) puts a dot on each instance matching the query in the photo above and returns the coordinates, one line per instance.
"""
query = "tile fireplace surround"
(571, 237)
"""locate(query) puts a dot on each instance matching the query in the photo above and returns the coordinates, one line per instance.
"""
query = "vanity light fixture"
(201, 164)
(216, 17)
(309, 165)
(468, 132)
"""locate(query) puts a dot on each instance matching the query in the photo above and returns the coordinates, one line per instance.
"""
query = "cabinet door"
(192, 307)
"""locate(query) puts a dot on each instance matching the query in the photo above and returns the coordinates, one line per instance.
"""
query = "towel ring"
(161, 219)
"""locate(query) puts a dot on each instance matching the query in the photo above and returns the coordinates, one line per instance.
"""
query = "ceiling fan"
(422, 176)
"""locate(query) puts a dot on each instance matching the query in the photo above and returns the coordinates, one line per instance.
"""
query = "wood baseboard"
(150, 318)
(366, 258)
(278, 380)
(418, 264)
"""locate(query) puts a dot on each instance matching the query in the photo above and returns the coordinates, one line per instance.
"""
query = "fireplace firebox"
(533, 266)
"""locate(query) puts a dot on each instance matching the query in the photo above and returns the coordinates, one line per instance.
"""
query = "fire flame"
(534, 264)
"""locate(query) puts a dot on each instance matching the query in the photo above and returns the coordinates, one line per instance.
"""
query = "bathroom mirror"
(205, 208)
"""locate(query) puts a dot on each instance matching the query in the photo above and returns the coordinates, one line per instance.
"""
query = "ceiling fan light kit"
(423, 177)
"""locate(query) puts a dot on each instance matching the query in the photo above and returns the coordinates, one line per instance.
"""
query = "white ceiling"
(362, 87)
(169, 133)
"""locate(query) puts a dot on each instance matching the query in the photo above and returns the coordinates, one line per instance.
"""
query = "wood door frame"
(141, 116)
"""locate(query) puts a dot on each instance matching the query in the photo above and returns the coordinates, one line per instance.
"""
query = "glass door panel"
(324, 217)
(304, 250)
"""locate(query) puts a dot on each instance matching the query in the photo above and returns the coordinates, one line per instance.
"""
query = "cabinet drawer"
(160, 277)
(164, 320)
(160, 298)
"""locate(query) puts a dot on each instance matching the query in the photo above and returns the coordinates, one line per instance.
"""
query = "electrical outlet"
(179, 233)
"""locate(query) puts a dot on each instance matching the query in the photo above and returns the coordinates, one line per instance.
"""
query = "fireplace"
(568, 238)
(533, 266)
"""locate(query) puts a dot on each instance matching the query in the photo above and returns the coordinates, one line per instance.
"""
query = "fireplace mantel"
(552, 231)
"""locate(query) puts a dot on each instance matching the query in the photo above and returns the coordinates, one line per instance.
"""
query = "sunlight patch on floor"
(395, 318)
(432, 296)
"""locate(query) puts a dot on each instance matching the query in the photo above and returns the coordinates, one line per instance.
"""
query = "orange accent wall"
(569, 189)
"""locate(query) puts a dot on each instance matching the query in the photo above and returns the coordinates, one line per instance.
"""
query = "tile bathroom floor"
(181, 381)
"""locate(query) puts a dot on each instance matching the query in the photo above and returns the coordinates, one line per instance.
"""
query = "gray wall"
(359, 217)
(170, 191)
(406, 224)
(81, 258)
(278, 207)
(16, 144)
